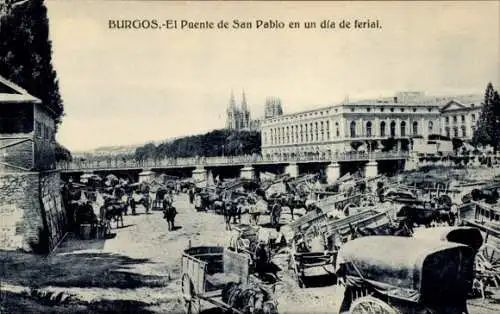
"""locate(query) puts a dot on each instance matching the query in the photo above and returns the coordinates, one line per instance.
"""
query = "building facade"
(238, 117)
(368, 125)
(33, 216)
(273, 108)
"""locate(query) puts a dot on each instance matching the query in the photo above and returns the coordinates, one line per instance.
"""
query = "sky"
(124, 87)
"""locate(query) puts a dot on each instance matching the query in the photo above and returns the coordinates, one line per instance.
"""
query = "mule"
(249, 299)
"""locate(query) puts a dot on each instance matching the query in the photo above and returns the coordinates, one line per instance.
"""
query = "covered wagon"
(386, 274)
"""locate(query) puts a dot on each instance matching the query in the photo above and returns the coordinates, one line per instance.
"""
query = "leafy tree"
(62, 153)
(488, 126)
(388, 144)
(457, 143)
(26, 51)
(356, 144)
(211, 144)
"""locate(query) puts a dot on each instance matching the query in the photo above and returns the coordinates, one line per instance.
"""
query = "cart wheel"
(488, 262)
(370, 305)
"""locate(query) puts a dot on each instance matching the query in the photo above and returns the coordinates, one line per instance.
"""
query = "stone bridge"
(248, 165)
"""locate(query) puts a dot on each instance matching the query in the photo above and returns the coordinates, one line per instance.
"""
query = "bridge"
(247, 165)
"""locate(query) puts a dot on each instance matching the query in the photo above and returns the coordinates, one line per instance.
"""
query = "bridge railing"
(223, 160)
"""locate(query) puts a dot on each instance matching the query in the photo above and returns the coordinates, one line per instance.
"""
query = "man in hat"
(169, 212)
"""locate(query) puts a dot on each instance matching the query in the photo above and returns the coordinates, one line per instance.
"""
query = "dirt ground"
(138, 271)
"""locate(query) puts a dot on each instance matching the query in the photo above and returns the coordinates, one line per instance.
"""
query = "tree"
(26, 52)
(214, 143)
(62, 153)
(488, 125)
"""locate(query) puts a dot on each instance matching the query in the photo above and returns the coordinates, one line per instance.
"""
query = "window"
(430, 109)
(414, 109)
(392, 109)
(327, 130)
(415, 128)
(287, 135)
(368, 129)
(455, 131)
(382, 109)
(463, 119)
(431, 126)
(447, 119)
(337, 131)
(393, 129)
(322, 130)
(316, 130)
(382, 128)
(403, 128)
(454, 119)
(353, 129)
(307, 133)
(464, 131)
(473, 118)
(368, 109)
(352, 109)
(447, 130)
(311, 133)
(296, 134)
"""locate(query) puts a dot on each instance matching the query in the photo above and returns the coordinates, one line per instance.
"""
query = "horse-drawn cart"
(332, 233)
(419, 276)
(205, 272)
(487, 219)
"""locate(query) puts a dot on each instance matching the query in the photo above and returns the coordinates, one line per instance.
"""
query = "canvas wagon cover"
(464, 235)
(409, 269)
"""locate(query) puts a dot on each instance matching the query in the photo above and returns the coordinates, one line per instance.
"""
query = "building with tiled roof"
(27, 131)
(324, 131)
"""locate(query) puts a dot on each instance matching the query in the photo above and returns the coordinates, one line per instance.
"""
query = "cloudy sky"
(125, 87)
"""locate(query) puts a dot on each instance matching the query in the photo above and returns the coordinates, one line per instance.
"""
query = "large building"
(238, 118)
(368, 124)
(273, 108)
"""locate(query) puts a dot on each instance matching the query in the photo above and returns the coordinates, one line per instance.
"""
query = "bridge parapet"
(224, 161)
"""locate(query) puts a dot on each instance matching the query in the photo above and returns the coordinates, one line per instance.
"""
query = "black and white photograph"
(249, 157)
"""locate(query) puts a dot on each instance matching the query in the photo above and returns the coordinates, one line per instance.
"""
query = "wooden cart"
(487, 219)
(205, 272)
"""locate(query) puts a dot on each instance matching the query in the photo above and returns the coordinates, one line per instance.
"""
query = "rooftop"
(12, 93)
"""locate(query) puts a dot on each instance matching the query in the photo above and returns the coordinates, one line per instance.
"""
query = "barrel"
(86, 231)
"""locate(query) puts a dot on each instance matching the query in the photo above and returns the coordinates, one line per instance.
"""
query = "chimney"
(395, 99)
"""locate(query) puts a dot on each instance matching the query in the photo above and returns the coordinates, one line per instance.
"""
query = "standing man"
(169, 212)
(191, 195)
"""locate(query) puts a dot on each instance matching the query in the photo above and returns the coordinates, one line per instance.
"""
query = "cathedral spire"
(243, 101)
(232, 102)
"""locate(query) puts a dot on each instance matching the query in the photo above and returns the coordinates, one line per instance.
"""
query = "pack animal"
(249, 299)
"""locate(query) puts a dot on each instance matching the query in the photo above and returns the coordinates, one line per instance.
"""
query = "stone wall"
(33, 218)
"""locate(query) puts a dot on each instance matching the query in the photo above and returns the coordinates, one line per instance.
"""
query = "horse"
(249, 299)
(403, 230)
(426, 216)
(113, 210)
(293, 201)
(144, 200)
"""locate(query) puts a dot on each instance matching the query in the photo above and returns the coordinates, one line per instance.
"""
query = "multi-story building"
(238, 118)
(273, 108)
(459, 116)
(368, 123)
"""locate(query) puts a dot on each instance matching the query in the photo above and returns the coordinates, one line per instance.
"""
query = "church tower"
(231, 113)
(245, 113)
